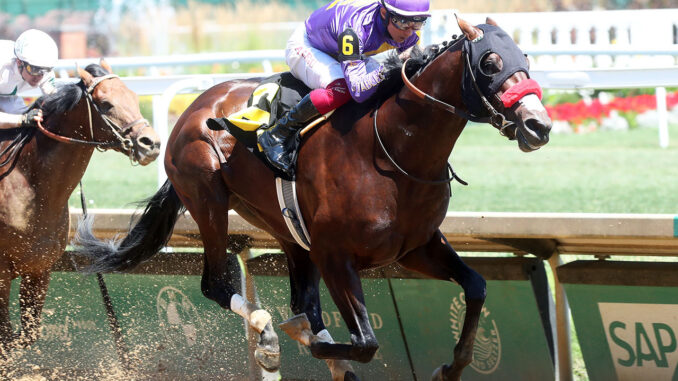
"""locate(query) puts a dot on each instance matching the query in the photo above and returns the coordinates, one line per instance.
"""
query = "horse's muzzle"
(533, 133)
(146, 147)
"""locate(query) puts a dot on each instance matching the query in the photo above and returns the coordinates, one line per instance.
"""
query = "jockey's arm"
(48, 83)
(362, 78)
(362, 74)
(10, 120)
(29, 119)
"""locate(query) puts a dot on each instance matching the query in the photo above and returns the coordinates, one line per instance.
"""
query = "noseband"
(119, 132)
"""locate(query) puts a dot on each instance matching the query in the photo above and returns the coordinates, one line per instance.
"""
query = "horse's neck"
(62, 165)
(422, 133)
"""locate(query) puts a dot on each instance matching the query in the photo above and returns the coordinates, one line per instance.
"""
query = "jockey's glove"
(28, 119)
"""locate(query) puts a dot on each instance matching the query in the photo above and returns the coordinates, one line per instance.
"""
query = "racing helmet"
(416, 9)
(36, 48)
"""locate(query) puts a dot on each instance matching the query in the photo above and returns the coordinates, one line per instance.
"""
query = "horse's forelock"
(96, 70)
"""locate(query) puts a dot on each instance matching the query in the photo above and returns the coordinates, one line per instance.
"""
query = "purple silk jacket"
(325, 24)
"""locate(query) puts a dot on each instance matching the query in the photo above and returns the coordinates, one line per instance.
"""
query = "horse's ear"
(490, 21)
(105, 65)
(469, 30)
(86, 77)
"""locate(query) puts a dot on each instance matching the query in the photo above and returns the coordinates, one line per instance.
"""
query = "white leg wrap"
(256, 317)
(325, 336)
(338, 368)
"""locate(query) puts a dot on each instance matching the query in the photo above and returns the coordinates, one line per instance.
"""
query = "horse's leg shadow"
(307, 326)
(438, 260)
(221, 279)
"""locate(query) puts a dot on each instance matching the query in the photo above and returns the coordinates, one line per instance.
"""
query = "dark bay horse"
(40, 169)
(361, 212)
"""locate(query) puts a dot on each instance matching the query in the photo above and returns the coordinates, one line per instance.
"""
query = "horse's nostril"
(145, 142)
(538, 127)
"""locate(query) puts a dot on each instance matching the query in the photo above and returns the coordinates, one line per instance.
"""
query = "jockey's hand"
(405, 55)
(31, 118)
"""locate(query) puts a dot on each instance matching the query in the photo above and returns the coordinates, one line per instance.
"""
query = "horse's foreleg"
(221, 279)
(307, 326)
(438, 260)
(343, 282)
(32, 299)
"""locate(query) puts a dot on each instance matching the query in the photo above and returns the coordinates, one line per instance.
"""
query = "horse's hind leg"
(308, 325)
(438, 260)
(32, 299)
(221, 279)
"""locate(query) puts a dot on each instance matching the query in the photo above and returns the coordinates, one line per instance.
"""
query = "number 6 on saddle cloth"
(273, 97)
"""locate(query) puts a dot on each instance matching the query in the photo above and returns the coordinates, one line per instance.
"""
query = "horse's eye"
(490, 64)
(106, 107)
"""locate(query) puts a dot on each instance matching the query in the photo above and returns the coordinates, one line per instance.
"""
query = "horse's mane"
(67, 95)
(393, 80)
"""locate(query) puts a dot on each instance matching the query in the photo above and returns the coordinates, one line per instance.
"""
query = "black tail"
(150, 234)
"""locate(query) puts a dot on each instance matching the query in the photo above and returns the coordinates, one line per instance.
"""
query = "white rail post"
(563, 342)
(161, 110)
(662, 117)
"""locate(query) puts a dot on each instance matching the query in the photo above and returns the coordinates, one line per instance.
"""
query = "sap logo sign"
(660, 333)
(642, 339)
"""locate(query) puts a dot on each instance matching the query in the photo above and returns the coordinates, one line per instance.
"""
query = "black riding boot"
(279, 142)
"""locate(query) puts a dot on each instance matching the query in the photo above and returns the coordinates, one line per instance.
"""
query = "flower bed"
(582, 115)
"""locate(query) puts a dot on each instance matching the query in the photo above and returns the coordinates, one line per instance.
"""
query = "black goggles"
(36, 70)
(405, 23)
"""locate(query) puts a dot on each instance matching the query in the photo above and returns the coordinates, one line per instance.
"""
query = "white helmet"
(37, 48)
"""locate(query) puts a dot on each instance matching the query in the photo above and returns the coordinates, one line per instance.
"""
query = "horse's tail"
(150, 234)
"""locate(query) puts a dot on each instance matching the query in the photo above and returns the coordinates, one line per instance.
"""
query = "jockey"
(331, 54)
(25, 64)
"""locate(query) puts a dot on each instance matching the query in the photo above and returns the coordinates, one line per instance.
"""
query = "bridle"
(125, 144)
(496, 119)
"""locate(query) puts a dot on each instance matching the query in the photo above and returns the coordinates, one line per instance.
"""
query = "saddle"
(273, 97)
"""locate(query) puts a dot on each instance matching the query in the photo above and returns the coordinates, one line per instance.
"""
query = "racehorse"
(40, 169)
(361, 208)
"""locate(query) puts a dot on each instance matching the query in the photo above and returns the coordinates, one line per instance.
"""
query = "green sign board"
(510, 343)
(626, 332)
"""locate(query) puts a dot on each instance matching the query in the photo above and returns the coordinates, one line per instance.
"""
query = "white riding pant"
(312, 66)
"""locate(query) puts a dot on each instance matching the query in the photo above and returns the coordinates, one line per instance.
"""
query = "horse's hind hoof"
(268, 359)
(350, 376)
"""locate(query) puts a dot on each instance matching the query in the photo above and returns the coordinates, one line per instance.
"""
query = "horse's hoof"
(350, 376)
(298, 328)
(441, 374)
(268, 359)
(437, 374)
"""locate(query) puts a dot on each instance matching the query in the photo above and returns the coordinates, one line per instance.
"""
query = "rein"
(122, 142)
(404, 172)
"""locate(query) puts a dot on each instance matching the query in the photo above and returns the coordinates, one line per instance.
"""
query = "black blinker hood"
(494, 40)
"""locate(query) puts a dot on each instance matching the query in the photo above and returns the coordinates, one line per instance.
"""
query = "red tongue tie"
(519, 90)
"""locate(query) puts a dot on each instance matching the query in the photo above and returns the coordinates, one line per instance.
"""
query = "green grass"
(599, 172)
(604, 171)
